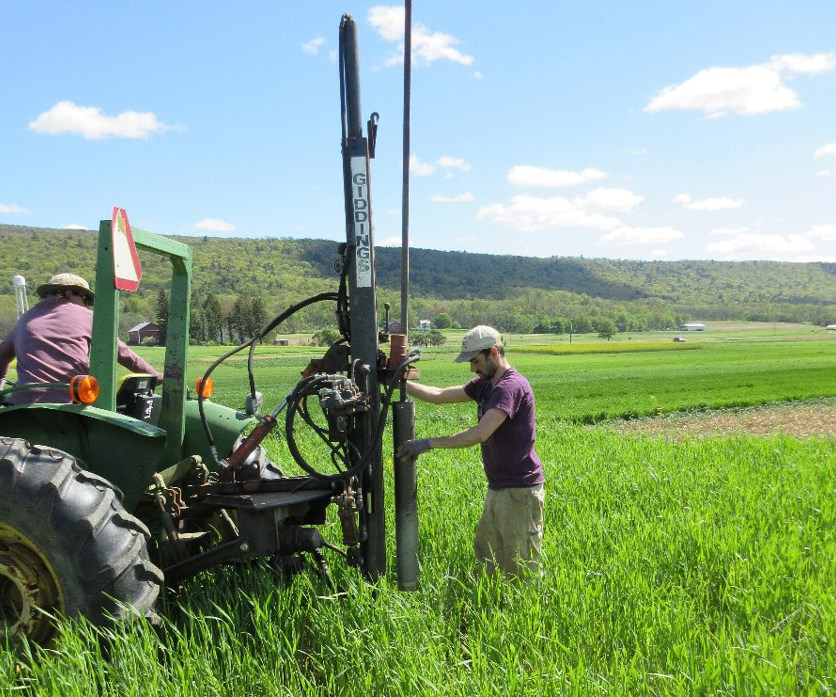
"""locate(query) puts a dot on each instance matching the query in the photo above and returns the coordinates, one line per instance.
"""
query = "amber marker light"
(84, 389)
(205, 388)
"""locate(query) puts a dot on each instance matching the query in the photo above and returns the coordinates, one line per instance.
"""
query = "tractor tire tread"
(76, 519)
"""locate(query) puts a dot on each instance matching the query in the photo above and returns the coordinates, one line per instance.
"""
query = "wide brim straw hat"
(66, 281)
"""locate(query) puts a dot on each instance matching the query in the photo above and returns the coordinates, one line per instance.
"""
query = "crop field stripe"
(638, 347)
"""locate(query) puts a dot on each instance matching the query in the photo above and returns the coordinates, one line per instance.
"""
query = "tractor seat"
(135, 397)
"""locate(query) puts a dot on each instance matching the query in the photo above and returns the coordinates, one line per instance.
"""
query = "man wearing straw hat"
(510, 531)
(52, 341)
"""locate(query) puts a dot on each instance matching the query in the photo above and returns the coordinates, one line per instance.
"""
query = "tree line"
(208, 323)
(534, 294)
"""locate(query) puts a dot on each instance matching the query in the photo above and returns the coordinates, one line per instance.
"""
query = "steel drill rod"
(406, 498)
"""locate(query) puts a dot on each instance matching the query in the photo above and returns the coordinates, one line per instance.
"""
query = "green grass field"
(701, 567)
(595, 380)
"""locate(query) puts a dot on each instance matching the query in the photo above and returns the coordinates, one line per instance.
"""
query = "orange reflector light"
(84, 389)
(206, 389)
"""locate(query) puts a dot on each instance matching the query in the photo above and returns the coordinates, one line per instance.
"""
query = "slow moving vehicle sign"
(126, 269)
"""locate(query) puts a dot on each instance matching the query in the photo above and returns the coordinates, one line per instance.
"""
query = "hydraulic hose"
(251, 343)
(304, 389)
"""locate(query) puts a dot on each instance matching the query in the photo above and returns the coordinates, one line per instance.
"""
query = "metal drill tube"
(407, 108)
(406, 499)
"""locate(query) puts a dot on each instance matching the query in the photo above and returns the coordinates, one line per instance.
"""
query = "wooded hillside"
(516, 293)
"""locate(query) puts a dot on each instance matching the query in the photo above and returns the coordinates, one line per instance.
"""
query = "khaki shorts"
(510, 532)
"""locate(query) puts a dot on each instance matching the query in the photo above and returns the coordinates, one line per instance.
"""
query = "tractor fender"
(124, 451)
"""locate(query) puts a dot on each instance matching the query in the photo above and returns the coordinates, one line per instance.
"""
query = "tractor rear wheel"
(67, 545)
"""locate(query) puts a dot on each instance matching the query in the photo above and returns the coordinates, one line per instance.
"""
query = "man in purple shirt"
(510, 531)
(52, 341)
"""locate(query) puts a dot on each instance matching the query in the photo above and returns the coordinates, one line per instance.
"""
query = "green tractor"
(101, 505)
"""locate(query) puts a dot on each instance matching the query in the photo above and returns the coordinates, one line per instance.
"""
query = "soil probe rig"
(102, 505)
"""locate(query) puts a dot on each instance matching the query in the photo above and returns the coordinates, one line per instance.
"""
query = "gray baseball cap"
(478, 339)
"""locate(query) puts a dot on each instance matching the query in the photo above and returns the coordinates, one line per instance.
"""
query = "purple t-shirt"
(51, 342)
(508, 455)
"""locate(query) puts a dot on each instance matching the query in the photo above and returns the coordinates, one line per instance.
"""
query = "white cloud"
(418, 168)
(530, 213)
(829, 149)
(394, 241)
(747, 91)
(778, 246)
(728, 231)
(11, 208)
(527, 176)
(799, 64)
(214, 225)
(635, 152)
(641, 235)
(718, 91)
(708, 204)
(427, 46)
(622, 200)
(75, 226)
(453, 162)
(799, 247)
(820, 258)
(826, 233)
(90, 123)
(659, 253)
(388, 20)
(459, 198)
(823, 173)
(312, 47)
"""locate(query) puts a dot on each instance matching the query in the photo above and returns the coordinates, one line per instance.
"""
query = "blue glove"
(413, 448)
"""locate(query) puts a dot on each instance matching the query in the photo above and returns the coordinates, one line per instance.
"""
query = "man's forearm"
(437, 395)
(462, 439)
(426, 393)
(490, 421)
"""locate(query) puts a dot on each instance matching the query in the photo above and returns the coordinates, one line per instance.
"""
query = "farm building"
(424, 325)
(693, 327)
(142, 331)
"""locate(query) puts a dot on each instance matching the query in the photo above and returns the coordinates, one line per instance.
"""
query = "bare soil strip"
(798, 419)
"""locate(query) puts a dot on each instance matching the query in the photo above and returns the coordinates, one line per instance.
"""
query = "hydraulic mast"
(359, 258)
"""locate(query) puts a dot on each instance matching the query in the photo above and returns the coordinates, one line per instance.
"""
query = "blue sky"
(641, 130)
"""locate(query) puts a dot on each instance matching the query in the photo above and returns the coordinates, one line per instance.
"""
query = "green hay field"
(700, 567)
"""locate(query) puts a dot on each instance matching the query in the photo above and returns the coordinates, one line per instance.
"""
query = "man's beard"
(490, 370)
